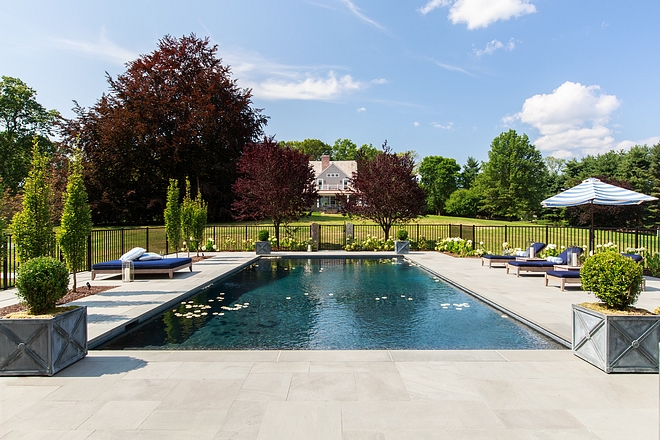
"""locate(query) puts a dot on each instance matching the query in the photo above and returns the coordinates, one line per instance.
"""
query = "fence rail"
(110, 244)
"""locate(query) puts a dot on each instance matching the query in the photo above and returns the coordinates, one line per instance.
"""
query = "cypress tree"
(76, 223)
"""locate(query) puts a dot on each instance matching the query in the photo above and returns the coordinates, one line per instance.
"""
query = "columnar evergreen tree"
(385, 190)
(32, 227)
(187, 217)
(173, 216)
(76, 223)
(199, 220)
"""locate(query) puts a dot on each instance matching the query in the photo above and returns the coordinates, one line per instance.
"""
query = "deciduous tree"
(385, 190)
(76, 223)
(313, 148)
(175, 112)
(275, 183)
(22, 119)
(439, 178)
(514, 180)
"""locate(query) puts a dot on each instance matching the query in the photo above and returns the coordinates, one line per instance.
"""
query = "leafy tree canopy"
(175, 112)
(22, 119)
(385, 190)
(514, 180)
(275, 183)
(313, 148)
(439, 178)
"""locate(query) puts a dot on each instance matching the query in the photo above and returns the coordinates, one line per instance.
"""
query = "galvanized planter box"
(42, 347)
(616, 343)
(262, 247)
(401, 247)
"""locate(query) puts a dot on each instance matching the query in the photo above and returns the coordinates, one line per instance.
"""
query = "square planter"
(42, 347)
(262, 247)
(616, 343)
(401, 247)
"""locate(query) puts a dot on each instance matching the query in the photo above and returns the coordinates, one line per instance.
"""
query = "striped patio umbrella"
(594, 192)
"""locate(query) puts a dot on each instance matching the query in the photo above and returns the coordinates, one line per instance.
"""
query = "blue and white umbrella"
(594, 192)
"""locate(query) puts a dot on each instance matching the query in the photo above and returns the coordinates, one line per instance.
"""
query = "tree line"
(177, 114)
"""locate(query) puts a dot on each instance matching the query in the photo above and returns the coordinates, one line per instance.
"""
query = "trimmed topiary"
(612, 278)
(41, 282)
(263, 235)
(402, 235)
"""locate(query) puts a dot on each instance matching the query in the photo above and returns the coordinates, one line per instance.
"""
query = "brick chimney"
(325, 162)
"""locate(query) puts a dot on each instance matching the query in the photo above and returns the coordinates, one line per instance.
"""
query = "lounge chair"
(564, 277)
(496, 259)
(541, 266)
(573, 276)
(166, 265)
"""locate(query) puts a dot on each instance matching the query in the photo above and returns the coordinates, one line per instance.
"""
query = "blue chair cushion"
(165, 263)
(564, 273)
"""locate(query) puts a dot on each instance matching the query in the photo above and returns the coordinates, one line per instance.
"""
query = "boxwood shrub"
(41, 282)
(263, 235)
(614, 279)
(402, 235)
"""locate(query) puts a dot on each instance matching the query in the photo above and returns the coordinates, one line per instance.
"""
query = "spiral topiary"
(41, 282)
(614, 279)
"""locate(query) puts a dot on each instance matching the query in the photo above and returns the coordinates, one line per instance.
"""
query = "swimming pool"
(332, 304)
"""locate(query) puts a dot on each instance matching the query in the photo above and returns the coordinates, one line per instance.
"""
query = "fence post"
(546, 234)
(147, 238)
(417, 232)
(5, 261)
(315, 233)
(505, 233)
(123, 251)
(167, 245)
(460, 230)
(636, 238)
(89, 251)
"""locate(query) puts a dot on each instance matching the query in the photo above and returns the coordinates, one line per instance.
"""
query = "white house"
(332, 180)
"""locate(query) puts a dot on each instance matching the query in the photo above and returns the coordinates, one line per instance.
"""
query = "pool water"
(332, 304)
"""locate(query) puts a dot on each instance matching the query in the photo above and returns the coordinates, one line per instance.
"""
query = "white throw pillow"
(521, 253)
(133, 254)
(149, 256)
(555, 260)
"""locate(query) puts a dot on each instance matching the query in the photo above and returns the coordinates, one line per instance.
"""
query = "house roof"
(347, 166)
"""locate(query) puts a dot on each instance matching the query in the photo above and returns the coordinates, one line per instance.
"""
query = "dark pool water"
(332, 304)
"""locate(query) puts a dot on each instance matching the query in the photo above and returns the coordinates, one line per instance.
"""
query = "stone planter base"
(616, 343)
(401, 247)
(262, 247)
(42, 347)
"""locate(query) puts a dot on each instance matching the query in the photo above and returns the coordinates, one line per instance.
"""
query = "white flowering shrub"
(460, 246)
(370, 244)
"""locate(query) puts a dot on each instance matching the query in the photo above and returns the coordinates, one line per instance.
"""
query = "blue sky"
(441, 77)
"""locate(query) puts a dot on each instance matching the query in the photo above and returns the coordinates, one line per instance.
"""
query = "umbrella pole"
(591, 230)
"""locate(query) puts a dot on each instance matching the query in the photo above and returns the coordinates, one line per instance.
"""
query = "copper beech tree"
(274, 182)
(175, 112)
(385, 190)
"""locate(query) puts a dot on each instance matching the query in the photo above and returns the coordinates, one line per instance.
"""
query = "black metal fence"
(110, 244)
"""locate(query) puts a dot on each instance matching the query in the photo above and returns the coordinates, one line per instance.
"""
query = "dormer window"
(332, 175)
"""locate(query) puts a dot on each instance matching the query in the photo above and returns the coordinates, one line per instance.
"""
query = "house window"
(345, 182)
(319, 182)
(332, 175)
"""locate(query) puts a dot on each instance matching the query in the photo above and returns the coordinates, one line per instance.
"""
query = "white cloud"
(311, 88)
(379, 81)
(271, 80)
(481, 13)
(361, 109)
(452, 68)
(444, 127)
(103, 49)
(358, 13)
(572, 119)
(416, 124)
(493, 46)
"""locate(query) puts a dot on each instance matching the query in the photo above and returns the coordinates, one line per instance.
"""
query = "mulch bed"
(81, 292)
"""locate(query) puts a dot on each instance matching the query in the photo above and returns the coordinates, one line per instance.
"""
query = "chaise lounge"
(143, 263)
(541, 265)
(503, 259)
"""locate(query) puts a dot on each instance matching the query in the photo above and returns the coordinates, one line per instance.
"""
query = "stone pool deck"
(378, 394)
